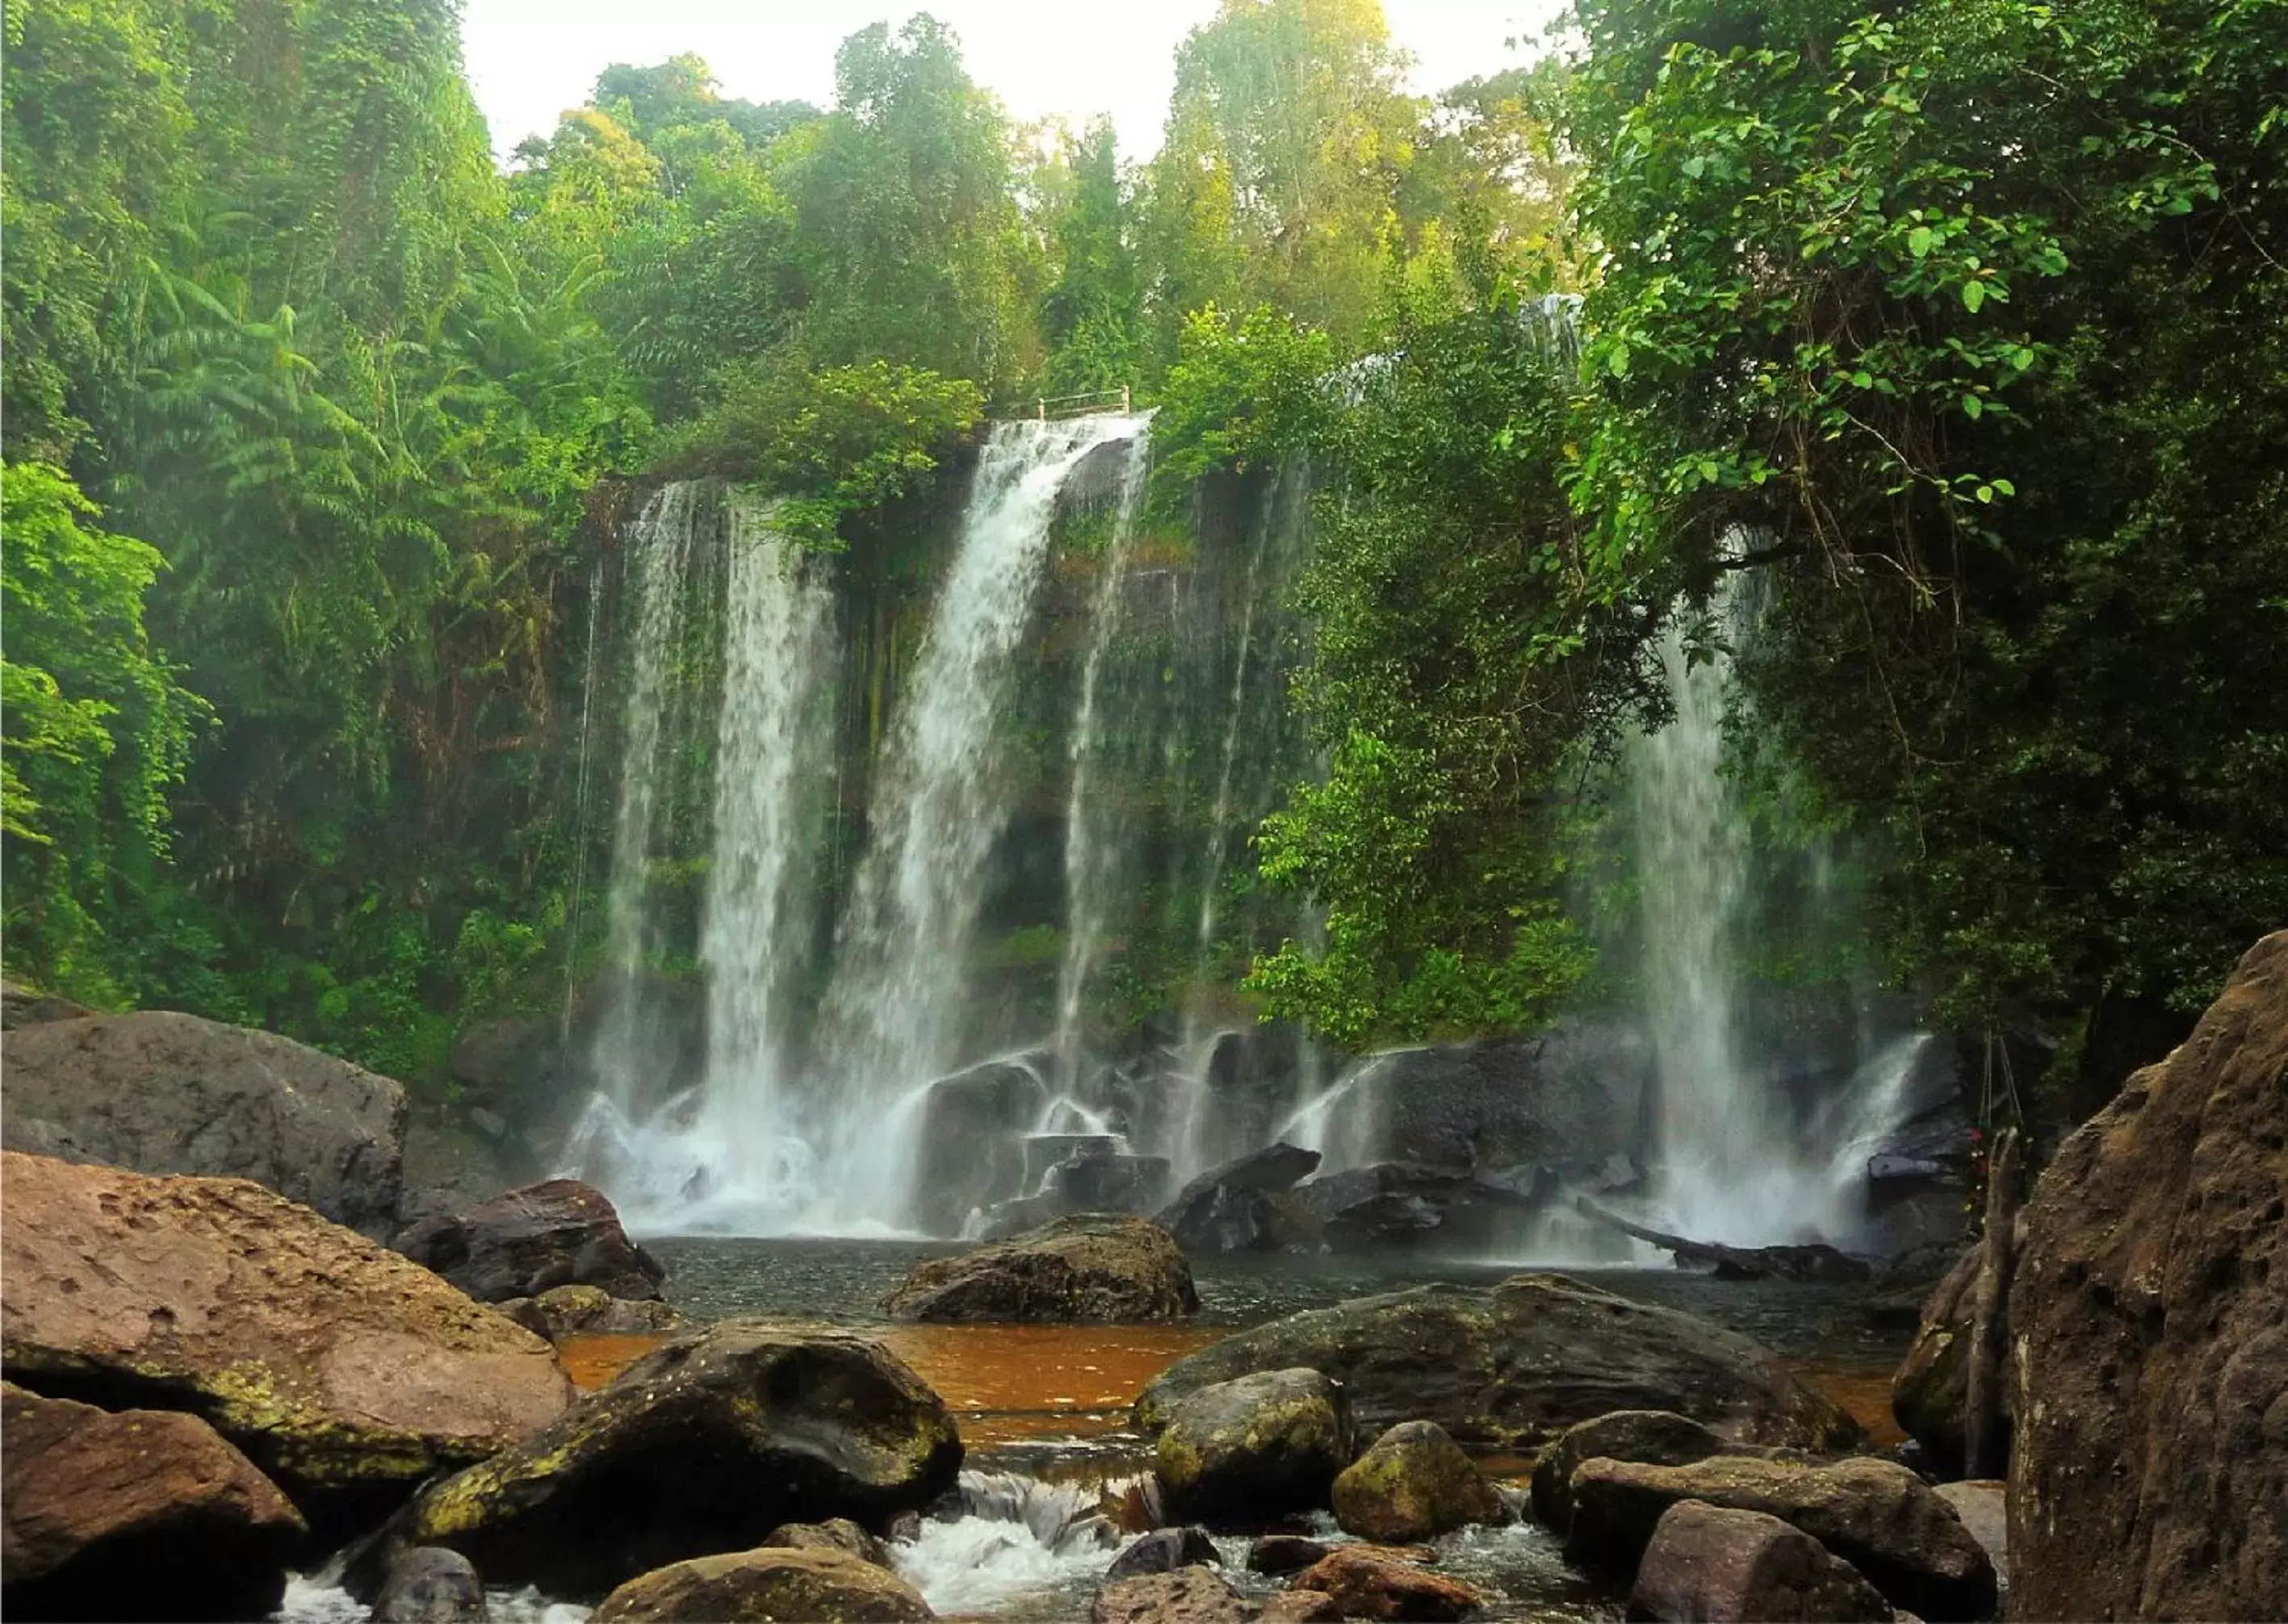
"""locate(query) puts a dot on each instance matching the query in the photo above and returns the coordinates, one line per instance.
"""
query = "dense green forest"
(1966, 320)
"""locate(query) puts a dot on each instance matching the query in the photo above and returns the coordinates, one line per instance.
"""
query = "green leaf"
(1973, 295)
(1919, 241)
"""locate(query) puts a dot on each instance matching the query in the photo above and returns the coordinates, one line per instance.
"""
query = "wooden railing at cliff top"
(1046, 407)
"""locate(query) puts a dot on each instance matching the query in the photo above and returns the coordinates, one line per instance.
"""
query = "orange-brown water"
(1008, 1384)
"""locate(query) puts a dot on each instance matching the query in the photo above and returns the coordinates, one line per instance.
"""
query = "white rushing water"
(1089, 842)
(894, 1012)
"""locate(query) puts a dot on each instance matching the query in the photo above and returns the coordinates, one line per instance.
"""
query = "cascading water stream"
(893, 1011)
(1088, 841)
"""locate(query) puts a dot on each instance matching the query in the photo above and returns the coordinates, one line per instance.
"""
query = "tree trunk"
(1983, 1452)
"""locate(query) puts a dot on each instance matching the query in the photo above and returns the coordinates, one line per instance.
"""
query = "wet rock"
(1093, 1268)
(2148, 1319)
(1368, 1585)
(338, 1367)
(156, 1092)
(1931, 1388)
(1283, 1553)
(1875, 1515)
(972, 1139)
(144, 1514)
(1163, 1550)
(590, 1311)
(773, 1585)
(1652, 1438)
(1187, 1596)
(519, 1244)
(1299, 1607)
(835, 1533)
(1568, 1098)
(1708, 1565)
(1512, 1365)
(1235, 1208)
(1254, 1448)
(1395, 1206)
(1413, 1483)
(428, 1584)
(1983, 1505)
(705, 1444)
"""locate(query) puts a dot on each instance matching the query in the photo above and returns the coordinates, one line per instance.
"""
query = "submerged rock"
(1364, 1584)
(1187, 1596)
(1710, 1564)
(340, 1367)
(705, 1444)
(1875, 1515)
(1413, 1483)
(142, 1514)
(1093, 1268)
(773, 1585)
(430, 1585)
(156, 1092)
(2149, 1324)
(558, 1233)
(1254, 1448)
(1512, 1365)
(1651, 1437)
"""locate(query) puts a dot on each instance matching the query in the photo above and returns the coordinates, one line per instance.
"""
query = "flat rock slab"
(331, 1361)
(1512, 1366)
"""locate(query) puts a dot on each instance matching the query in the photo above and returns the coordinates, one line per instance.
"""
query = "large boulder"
(156, 1092)
(340, 1367)
(1255, 1447)
(1189, 1595)
(558, 1233)
(1412, 1483)
(144, 1514)
(973, 1125)
(1930, 1391)
(1512, 1365)
(1712, 1565)
(1654, 1437)
(1393, 1206)
(1235, 1208)
(1093, 1268)
(773, 1585)
(1370, 1584)
(705, 1444)
(1875, 1515)
(2149, 1324)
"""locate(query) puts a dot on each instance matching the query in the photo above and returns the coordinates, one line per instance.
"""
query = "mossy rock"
(774, 1585)
(1413, 1483)
(1247, 1450)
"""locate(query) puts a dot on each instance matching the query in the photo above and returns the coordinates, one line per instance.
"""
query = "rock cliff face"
(2149, 1320)
(156, 1092)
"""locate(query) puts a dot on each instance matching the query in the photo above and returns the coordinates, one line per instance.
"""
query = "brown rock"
(1364, 1585)
(333, 1362)
(2149, 1319)
(1299, 1607)
(590, 1311)
(1710, 1565)
(1187, 1596)
(144, 1514)
(1284, 1553)
(835, 1533)
(526, 1242)
(1655, 1437)
(774, 1585)
(1875, 1515)
(158, 1092)
(1413, 1483)
(1093, 1268)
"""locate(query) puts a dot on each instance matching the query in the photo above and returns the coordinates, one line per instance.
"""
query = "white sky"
(529, 59)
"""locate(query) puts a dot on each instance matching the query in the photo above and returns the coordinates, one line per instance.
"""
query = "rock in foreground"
(156, 1092)
(1413, 1483)
(1249, 1450)
(333, 1362)
(1710, 1565)
(1369, 1585)
(703, 1445)
(1187, 1595)
(770, 1586)
(1092, 1268)
(2148, 1319)
(1512, 1366)
(1875, 1515)
(526, 1242)
(144, 1514)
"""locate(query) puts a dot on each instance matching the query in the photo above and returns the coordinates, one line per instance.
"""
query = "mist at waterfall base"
(808, 1111)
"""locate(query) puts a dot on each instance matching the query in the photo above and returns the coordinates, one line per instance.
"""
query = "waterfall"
(1090, 841)
(893, 1011)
